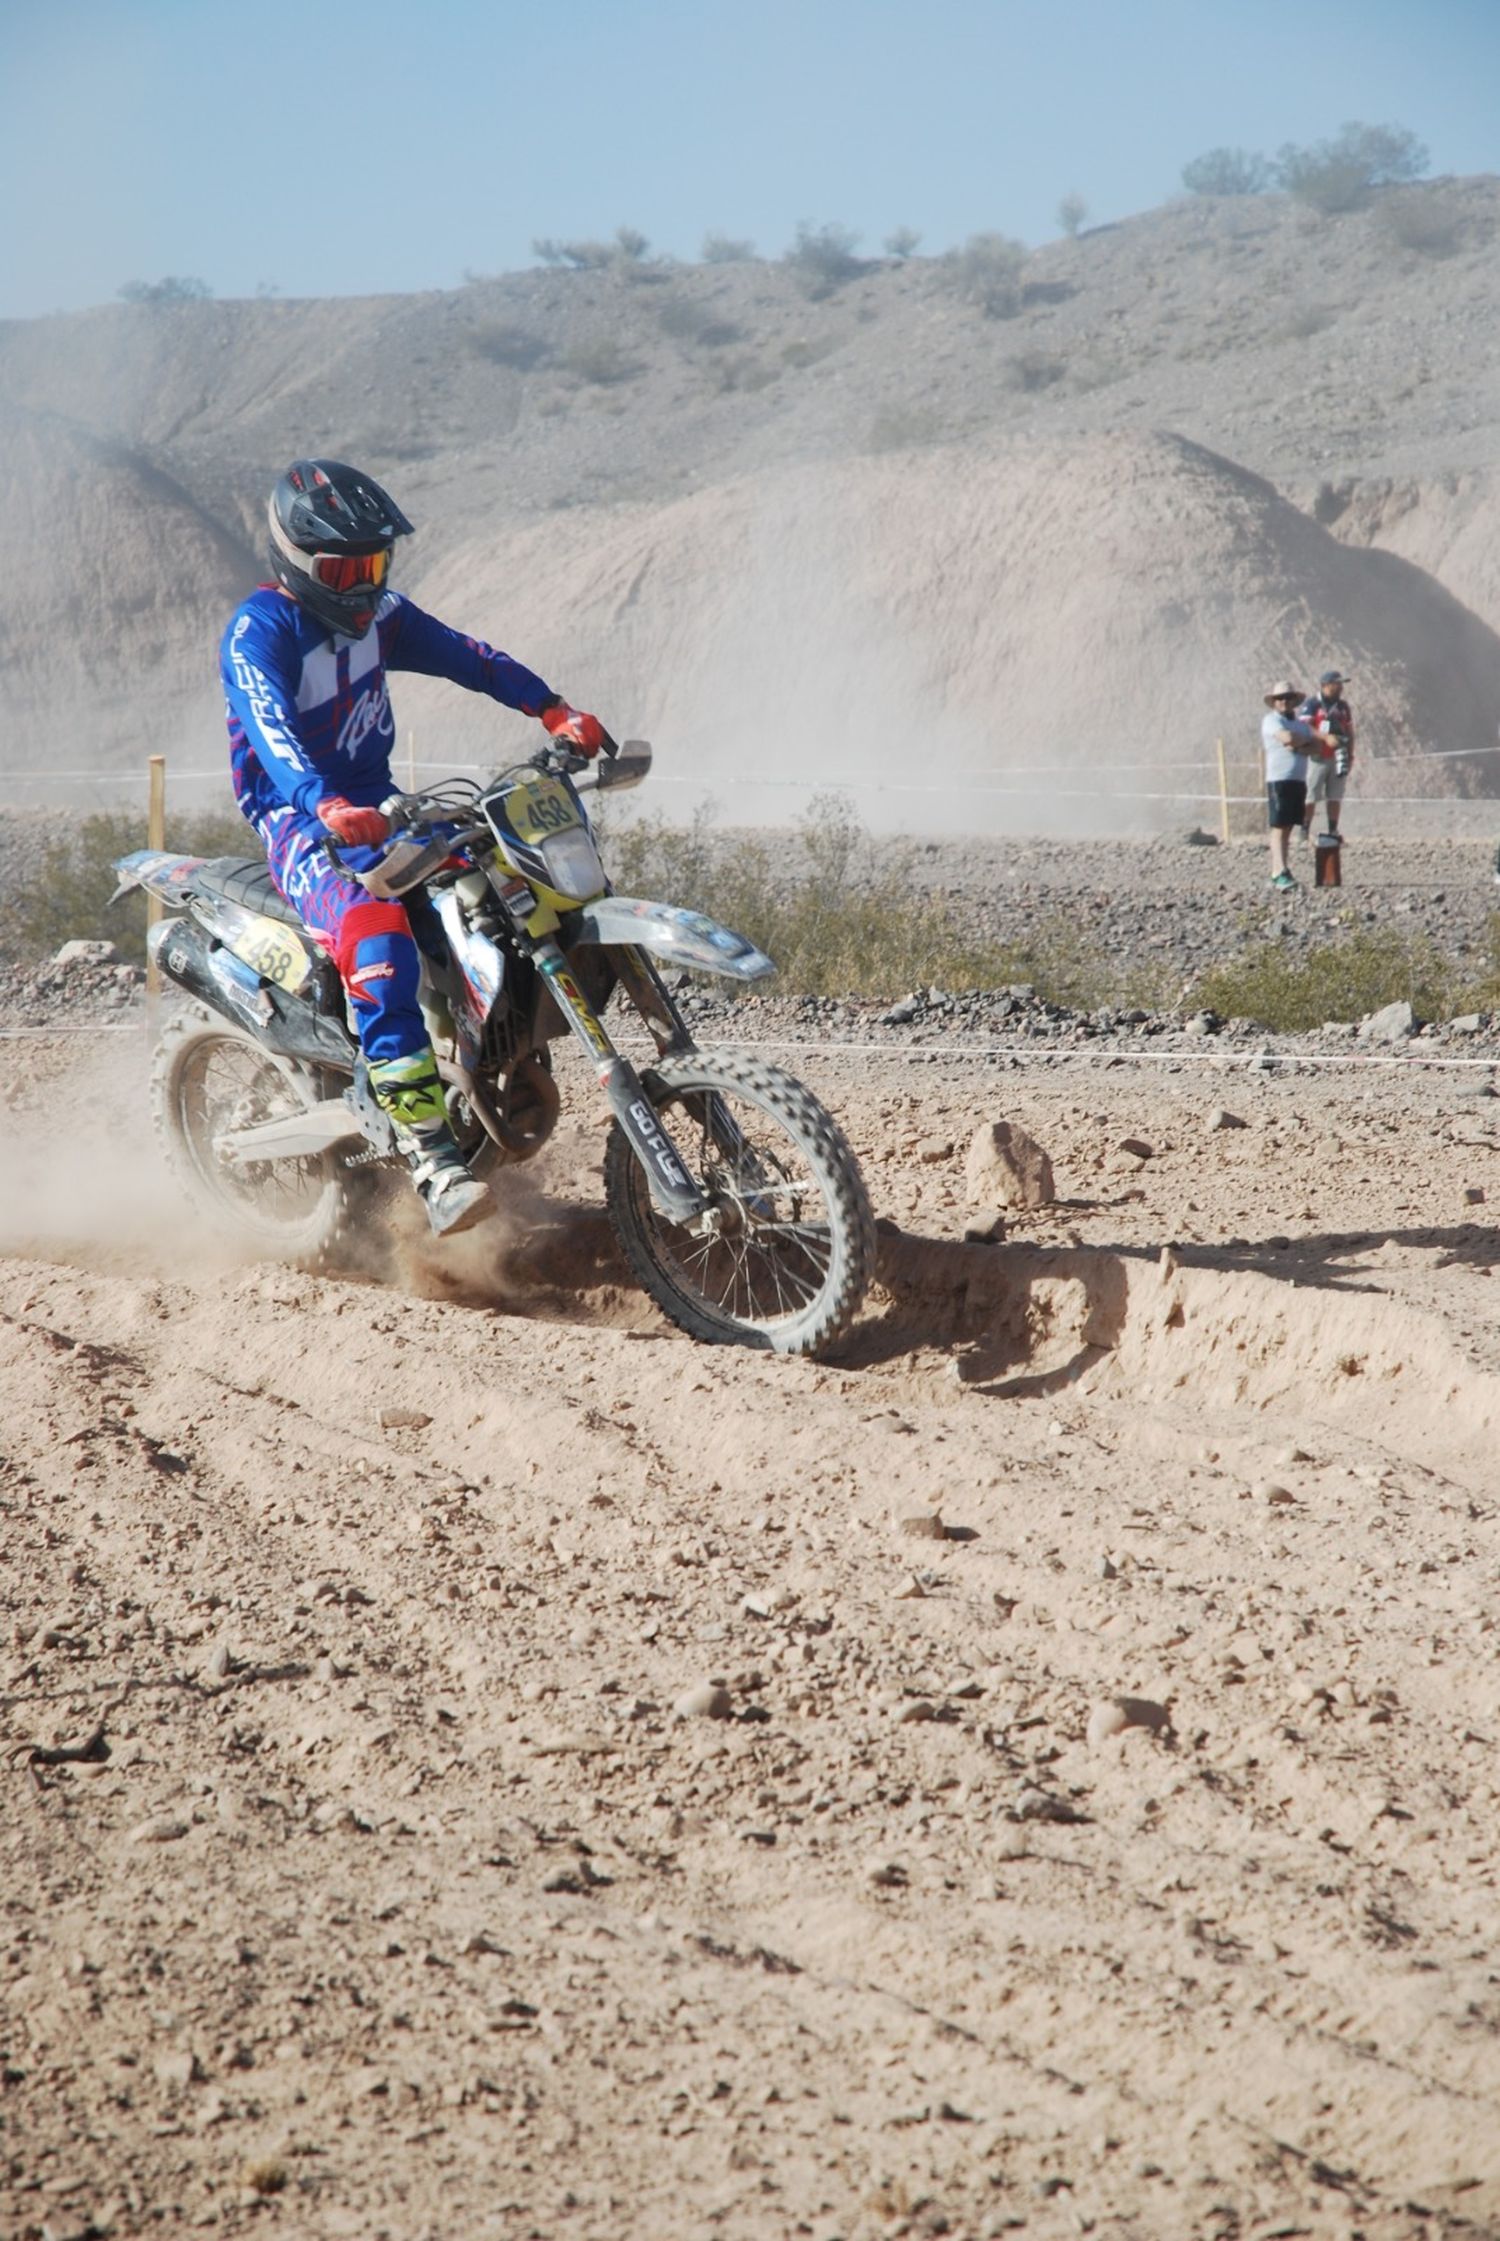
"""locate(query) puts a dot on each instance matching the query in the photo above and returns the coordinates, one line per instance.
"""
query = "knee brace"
(379, 966)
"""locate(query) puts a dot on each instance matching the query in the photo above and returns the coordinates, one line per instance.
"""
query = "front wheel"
(790, 1259)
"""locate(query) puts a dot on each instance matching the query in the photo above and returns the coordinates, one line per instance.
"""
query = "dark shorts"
(1286, 800)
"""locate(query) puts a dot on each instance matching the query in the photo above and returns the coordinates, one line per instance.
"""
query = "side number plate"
(275, 953)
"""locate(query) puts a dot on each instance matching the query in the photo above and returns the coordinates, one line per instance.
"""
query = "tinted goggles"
(345, 571)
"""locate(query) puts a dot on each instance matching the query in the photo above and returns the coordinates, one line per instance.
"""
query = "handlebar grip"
(331, 851)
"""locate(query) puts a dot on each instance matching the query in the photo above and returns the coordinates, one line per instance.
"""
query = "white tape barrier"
(1027, 1053)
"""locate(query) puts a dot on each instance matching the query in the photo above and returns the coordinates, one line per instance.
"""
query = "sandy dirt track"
(396, 1899)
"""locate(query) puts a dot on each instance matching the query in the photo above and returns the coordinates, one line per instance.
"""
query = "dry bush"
(506, 344)
(742, 370)
(1071, 212)
(176, 288)
(823, 258)
(901, 243)
(1031, 370)
(687, 320)
(987, 271)
(1336, 175)
(1289, 990)
(602, 361)
(68, 899)
(839, 916)
(1423, 220)
(1227, 171)
(724, 249)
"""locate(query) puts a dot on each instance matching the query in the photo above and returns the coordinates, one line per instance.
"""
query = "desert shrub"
(901, 243)
(687, 320)
(631, 245)
(724, 249)
(823, 258)
(1031, 370)
(987, 270)
(839, 916)
(601, 360)
(1288, 990)
(1424, 221)
(804, 351)
(506, 344)
(1071, 212)
(1338, 174)
(176, 288)
(903, 428)
(742, 370)
(1227, 171)
(1066, 966)
(68, 898)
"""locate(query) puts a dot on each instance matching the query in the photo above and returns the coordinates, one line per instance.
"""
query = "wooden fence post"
(1223, 795)
(156, 837)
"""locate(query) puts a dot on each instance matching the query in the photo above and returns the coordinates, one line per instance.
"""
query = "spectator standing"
(1286, 742)
(1327, 712)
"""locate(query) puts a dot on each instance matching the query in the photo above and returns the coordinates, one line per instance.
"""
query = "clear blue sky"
(339, 149)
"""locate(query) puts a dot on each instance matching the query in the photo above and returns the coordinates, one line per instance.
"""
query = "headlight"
(573, 866)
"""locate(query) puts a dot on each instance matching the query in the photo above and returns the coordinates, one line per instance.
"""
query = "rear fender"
(684, 938)
(160, 873)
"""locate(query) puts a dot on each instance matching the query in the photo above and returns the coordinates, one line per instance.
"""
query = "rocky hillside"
(810, 527)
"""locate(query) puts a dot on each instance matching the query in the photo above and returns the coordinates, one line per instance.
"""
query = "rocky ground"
(480, 1763)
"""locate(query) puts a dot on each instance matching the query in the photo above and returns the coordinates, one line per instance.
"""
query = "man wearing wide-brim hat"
(1286, 742)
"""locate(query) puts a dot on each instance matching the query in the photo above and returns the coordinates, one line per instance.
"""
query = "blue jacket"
(309, 714)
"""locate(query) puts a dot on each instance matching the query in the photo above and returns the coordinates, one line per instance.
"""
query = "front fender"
(684, 938)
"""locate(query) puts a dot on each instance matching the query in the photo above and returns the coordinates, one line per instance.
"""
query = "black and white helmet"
(332, 529)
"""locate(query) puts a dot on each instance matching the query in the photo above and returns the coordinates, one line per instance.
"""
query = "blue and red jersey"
(309, 714)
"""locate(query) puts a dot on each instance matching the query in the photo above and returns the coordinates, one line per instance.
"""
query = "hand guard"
(356, 828)
(585, 734)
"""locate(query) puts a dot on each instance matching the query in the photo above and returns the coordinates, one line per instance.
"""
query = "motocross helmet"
(332, 529)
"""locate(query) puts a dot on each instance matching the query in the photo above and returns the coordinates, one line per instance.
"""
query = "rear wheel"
(790, 1260)
(207, 1080)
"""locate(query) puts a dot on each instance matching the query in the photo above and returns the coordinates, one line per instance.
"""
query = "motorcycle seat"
(238, 880)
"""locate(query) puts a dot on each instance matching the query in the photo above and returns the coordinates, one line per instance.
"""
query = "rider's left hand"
(572, 728)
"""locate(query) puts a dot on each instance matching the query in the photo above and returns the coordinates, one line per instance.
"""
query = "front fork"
(672, 1186)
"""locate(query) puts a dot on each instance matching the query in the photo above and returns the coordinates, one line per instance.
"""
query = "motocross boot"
(409, 1093)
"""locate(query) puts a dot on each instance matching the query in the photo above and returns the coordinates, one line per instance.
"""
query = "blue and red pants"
(369, 941)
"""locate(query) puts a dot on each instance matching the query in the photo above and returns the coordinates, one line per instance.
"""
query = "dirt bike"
(737, 1202)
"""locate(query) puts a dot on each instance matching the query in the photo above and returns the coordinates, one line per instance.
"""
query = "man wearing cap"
(1286, 742)
(1327, 712)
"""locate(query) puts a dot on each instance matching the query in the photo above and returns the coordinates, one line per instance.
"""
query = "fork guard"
(684, 938)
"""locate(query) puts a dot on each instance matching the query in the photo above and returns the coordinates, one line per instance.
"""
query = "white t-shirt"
(1285, 741)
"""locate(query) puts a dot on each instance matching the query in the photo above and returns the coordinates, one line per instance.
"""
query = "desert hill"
(825, 525)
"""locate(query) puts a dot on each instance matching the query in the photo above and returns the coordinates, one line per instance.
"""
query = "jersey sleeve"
(260, 688)
(420, 642)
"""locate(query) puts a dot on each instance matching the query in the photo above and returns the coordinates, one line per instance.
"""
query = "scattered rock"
(166, 1828)
(267, 2174)
(1221, 1117)
(902, 1014)
(1468, 1023)
(176, 2067)
(1198, 838)
(1267, 1490)
(1473, 1194)
(911, 1590)
(923, 1525)
(1391, 1024)
(1136, 1147)
(887, 1875)
(86, 953)
(403, 1419)
(1117, 1713)
(985, 1229)
(1032, 1804)
(1006, 1166)
(1105, 1569)
(913, 1708)
(1203, 1023)
(709, 1700)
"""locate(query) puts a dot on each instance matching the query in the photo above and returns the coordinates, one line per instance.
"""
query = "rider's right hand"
(356, 828)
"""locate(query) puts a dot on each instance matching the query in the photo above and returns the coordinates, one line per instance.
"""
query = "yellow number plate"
(539, 808)
(275, 952)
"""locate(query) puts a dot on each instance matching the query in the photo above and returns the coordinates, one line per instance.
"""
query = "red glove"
(585, 734)
(356, 828)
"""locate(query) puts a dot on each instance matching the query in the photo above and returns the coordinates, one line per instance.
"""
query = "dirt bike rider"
(304, 664)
